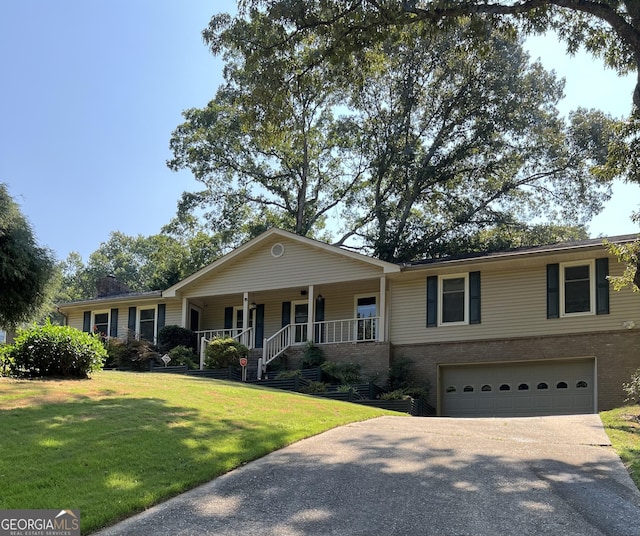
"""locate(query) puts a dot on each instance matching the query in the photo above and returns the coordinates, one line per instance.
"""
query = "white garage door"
(520, 389)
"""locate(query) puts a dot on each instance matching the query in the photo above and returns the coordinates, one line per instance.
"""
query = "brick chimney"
(110, 286)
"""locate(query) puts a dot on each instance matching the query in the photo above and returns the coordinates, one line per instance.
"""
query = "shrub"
(399, 373)
(632, 389)
(314, 387)
(183, 355)
(313, 356)
(134, 354)
(170, 337)
(5, 360)
(288, 374)
(224, 352)
(45, 351)
(279, 364)
(345, 373)
(406, 392)
(418, 392)
(397, 394)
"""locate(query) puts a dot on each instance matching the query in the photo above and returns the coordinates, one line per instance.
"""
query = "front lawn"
(121, 442)
(623, 428)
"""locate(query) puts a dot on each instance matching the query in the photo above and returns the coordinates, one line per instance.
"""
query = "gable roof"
(386, 267)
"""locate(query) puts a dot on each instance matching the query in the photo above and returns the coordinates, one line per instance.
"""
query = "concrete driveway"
(402, 475)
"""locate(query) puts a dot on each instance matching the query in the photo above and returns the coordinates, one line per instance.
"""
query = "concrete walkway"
(402, 475)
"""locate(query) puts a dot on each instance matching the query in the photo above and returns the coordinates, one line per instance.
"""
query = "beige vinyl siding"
(173, 314)
(300, 266)
(75, 319)
(514, 304)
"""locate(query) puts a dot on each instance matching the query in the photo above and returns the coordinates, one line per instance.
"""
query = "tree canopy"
(608, 29)
(266, 158)
(459, 138)
(25, 267)
(419, 139)
(345, 30)
(140, 263)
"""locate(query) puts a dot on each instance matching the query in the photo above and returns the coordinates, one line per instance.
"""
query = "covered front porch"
(274, 320)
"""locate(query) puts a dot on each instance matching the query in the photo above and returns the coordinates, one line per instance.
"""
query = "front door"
(366, 313)
(301, 317)
(194, 320)
(239, 324)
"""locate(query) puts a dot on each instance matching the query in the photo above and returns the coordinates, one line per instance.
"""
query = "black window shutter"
(318, 335)
(286, 313)
(602, 286)
(86, 322)
(474, 297)
(131, 324)
(432, 301)
(113, 330)
(553, 291)
(162, 315)
(259, 325)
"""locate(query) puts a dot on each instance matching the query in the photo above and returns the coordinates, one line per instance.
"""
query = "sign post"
(243, 364)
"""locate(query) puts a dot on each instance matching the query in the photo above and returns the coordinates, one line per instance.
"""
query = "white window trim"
(101, 312)
(155, 321)
(375, 295)
(293, 321)
(252, 318)
(592, 287)
(441, 279)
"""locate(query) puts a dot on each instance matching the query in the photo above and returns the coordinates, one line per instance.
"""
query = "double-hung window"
(101, 323)
(104, 322)
(454, 291)
(147, 324)
(577, 287)
(453, 299)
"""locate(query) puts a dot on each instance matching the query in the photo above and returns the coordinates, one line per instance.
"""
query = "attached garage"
(527, 388)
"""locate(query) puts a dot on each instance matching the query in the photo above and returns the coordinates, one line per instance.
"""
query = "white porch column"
(382, 319)
(245, 317)
(185, 313)
(311, 313)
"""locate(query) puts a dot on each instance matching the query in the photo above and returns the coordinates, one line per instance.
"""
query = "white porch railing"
(206, 336)
(352, 330)
(274, 346)
(236, 333)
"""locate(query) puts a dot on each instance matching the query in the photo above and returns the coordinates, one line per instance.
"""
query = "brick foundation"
(617, 355)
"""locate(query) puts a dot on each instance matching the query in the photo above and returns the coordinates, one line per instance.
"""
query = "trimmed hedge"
(59, 351)
(169, 337)
(224, 352)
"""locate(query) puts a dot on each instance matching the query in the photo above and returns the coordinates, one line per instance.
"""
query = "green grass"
(121, 442)
(623, 428)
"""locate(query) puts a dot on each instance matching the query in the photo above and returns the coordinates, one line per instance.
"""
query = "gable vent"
(277, 250)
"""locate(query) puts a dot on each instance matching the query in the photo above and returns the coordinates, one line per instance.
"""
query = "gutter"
(497, 256)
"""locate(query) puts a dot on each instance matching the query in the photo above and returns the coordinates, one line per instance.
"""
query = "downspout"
(66, 318)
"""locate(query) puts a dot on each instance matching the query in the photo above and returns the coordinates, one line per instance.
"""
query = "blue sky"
(91, 91)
